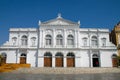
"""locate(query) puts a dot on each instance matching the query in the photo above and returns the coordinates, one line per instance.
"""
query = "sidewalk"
(67, 70)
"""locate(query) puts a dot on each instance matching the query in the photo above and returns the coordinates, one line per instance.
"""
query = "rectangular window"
(104, 42)
(94, 43)
(70, 42)
(84, 42)
(48, 42)
(59, 42)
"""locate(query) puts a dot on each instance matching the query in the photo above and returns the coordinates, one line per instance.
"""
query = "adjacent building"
(59, 43)
(115, 38)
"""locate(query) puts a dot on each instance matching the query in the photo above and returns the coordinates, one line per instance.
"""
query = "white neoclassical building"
(59, 43)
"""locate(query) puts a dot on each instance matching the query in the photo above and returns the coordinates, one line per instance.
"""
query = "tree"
(118, 57)
(0, 60)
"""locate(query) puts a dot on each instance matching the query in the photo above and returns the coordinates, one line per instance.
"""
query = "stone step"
(67, 70)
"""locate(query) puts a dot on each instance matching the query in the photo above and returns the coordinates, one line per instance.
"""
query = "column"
(53, 60)
(65, 62)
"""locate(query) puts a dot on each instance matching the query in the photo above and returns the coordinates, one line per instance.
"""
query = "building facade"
(59, 43)
(115, 36)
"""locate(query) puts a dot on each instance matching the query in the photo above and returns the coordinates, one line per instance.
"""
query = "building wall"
(35, 52)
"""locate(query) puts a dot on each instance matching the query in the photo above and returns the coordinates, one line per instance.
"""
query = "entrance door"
(47, 62)
(95, 59)
(70, 60)
(114, 62)
(47, 59)
(95, 62)
(23, 58)
(59, 60)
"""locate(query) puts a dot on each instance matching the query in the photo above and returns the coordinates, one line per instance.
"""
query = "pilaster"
(65, 38)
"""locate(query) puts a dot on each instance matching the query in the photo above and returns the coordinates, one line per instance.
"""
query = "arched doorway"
(23, 58)
(70, 60)
(95, 59)
(114, 60)
(47, 59)
(4, 57)
(59, 59)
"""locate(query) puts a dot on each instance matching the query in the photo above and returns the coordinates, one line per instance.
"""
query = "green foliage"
(0, 60)
(118, 57)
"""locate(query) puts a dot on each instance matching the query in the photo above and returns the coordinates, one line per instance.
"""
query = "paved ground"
(29, 76)
(67, 70)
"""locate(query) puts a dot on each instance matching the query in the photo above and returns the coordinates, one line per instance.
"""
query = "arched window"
(94, 41)
(14, 40)
(70, 55)
(59, 54)
(47, 54)
(114, 56)
(23, 55)
(33, 40)
(59, 40)
(103, 41)
(70, 40)
(84, 41)
(24, 40)
(95, 56)
(48, 40)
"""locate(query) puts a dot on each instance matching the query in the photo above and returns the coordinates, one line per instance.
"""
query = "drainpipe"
(89, 49)
(38, 33)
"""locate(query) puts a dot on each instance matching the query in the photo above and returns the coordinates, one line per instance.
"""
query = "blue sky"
(27, 13)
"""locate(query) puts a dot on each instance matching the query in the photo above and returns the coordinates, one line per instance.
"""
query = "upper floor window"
(14, 40)
(33, 40)
(24, 40)
(59, 40)
(84, 41)
(103, 41)
(70, 40)
(94, 41)
(48, 40)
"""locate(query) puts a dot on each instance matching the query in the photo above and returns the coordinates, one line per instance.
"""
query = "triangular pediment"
(59, 21)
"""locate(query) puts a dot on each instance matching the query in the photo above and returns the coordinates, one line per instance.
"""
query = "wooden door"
(114, 62)
(47, 62)
(59, 62)
(70, 62)
(22, 60)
